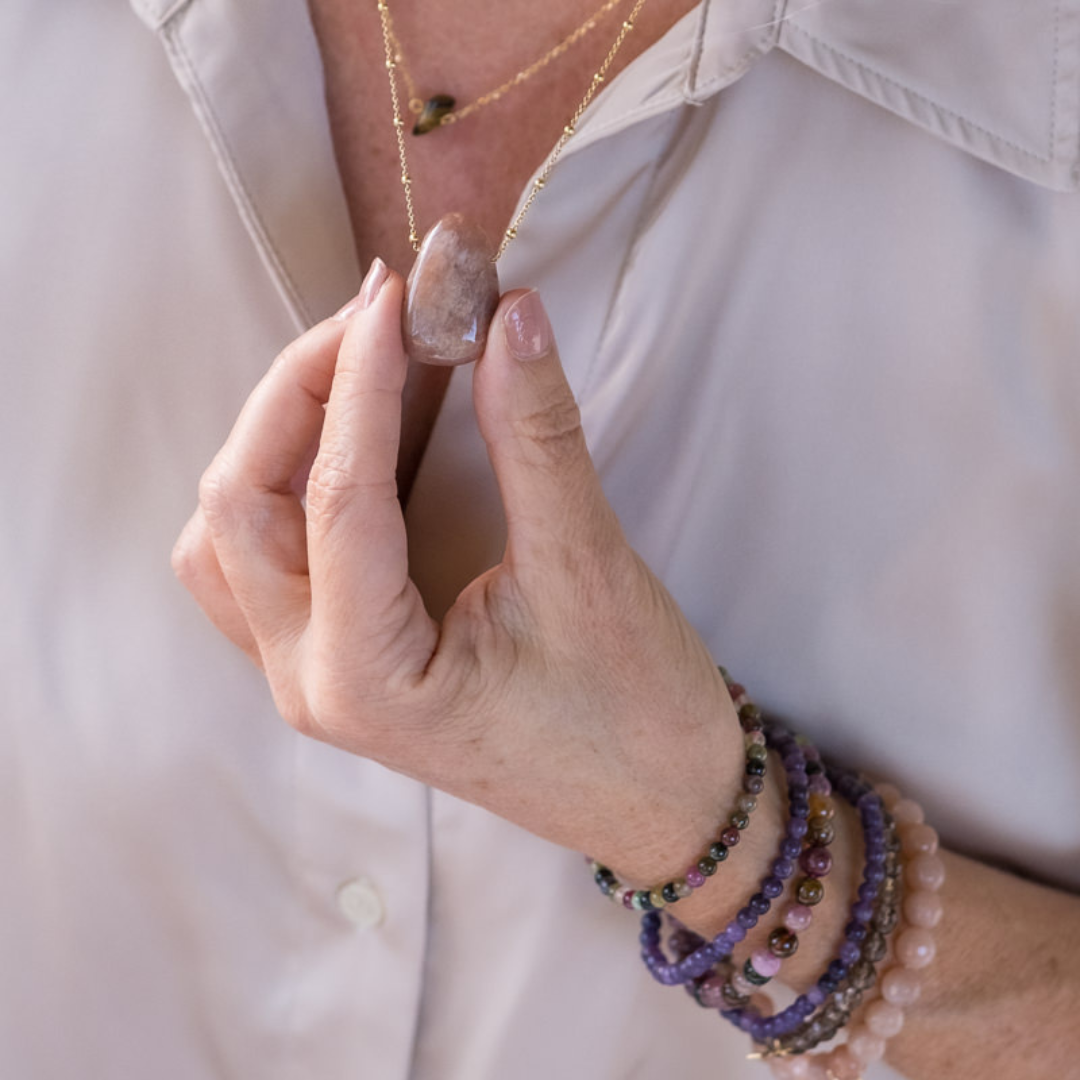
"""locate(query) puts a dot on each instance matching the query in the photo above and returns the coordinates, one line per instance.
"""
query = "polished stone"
(451, 294)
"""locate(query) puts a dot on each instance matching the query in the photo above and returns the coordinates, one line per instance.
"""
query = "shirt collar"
(997, 79)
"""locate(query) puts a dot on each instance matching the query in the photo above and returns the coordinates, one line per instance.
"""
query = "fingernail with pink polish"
(369, 289)
(528, 332)
(376, 277)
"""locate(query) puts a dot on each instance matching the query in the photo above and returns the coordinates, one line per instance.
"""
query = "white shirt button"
(360, 903)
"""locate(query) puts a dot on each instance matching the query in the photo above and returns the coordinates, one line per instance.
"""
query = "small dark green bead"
(707, 866)
(753, 975)
(740, 820)
(646, 902)
(668, 892)
(750, 713)
(755, 768)
(718, 852)
(757, 752)
(810, 891)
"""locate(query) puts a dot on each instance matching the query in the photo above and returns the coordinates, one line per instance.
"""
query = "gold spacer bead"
(598, 79)
(539, 183)
(390, 65)
(628, 25)
(406, 178)
(398, 122)
(568, 130)
(511, 233)
(413, 238)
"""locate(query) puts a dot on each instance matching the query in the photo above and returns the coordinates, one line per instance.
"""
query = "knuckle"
(554, 428)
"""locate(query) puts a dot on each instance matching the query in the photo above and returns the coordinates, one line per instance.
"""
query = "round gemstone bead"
(669, 894)
(695, 878)
(889, 795)
(742, 984)
(865, 1045)
(907, 812)
(901, 987)
(756, 737)
(718, 852)
(739, 820)
(915, 948)
(706, 866)
(810, 891)
(658, 899)
(756, 752)
(884, 1019)
(747, 804)
(754, 977)
(783, 868)
(821, 833)
(755, 768)
(925, 872)
(765, 963)
(710, 992)
(772, 887)
(923, 909)
(797, 917)
(850, 952)
(682, 890)
(783, 943)
(790, 1068)
(729, 837)
(753, 785)
(759, 903)
(821, 807)
(746, 918)
(842, 1064)
(816, 861)
(919, 839)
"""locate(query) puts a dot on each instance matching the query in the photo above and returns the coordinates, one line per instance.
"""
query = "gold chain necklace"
(439, 110)
(553, 156)
(453, 287)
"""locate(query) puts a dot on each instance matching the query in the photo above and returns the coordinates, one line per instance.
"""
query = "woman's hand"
(564, 690)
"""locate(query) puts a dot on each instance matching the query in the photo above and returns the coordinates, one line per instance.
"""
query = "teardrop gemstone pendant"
(435, 108)
(451, 294)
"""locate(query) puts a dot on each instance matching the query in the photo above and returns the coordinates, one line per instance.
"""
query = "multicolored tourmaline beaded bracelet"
(663, 895)
(688, 968)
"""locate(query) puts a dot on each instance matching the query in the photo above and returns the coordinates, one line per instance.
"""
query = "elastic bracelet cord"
(708, 954)
(657, 897)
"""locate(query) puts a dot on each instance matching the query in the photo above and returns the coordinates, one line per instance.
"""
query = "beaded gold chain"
(439, 110)
(392, 65)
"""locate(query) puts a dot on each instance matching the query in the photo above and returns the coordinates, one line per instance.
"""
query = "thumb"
(532, 426)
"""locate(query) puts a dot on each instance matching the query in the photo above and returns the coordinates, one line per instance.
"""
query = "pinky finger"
(196, 565)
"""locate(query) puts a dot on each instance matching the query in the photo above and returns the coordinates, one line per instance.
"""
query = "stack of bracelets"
(897, 898)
